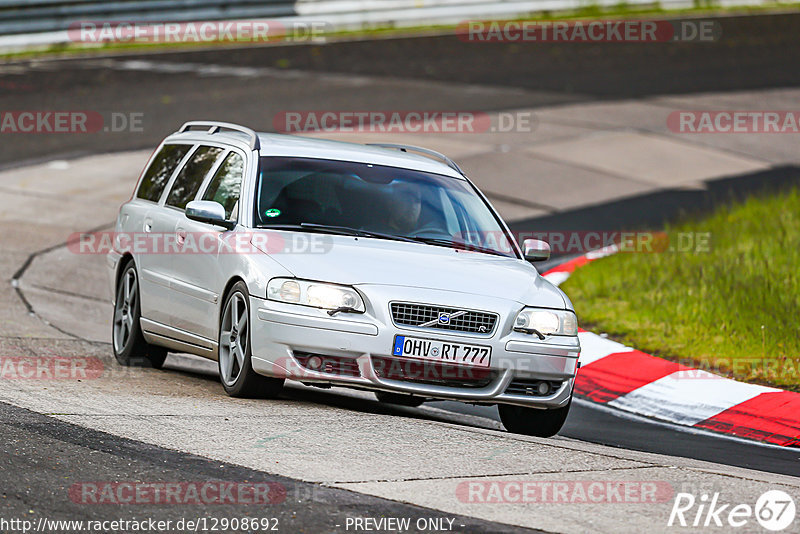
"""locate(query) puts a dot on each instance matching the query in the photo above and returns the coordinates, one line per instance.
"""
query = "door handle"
(181, 235)
(148, 225)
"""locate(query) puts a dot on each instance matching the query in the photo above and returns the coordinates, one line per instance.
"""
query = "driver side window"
(226, 184)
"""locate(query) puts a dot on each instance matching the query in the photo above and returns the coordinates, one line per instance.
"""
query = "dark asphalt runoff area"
(754, 52)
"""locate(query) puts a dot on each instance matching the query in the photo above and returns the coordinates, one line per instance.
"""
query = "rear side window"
(190, 178)
(224, 187)
(160, 170)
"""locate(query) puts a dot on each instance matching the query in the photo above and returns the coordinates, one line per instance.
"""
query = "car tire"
(399, 399)
(235, 362)
(532, 421)
(127, 339)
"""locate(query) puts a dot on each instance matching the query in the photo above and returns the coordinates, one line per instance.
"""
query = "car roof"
(309, 147)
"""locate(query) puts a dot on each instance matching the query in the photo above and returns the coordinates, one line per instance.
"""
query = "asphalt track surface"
(41, 454)
(587, 422)
(761, 52)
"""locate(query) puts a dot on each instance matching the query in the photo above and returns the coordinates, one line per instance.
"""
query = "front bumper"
(284, 335)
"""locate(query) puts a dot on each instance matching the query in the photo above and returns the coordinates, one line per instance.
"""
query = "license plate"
(441, 351)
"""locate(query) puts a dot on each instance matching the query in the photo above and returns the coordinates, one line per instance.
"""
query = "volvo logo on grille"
(444, 318)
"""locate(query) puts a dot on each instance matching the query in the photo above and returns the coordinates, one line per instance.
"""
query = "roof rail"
(425, 151)
(215, 126)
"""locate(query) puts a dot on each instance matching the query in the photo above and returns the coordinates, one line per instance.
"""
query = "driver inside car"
(404, 208)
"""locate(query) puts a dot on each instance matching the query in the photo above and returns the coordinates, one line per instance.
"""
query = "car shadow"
(348, 399)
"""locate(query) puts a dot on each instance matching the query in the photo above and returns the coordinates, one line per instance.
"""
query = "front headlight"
(316, 294)
(547, 322)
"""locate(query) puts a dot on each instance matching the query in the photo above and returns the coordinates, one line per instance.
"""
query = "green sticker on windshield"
(272, 213)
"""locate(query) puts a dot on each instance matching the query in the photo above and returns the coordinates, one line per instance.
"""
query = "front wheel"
(533, 422)
(235, 351)
(130, 347)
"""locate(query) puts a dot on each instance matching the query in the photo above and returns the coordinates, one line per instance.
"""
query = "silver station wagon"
(379, 267)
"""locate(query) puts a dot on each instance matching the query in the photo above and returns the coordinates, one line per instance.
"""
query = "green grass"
(591, 10)
(733, 310)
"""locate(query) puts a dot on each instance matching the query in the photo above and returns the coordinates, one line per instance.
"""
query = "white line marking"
(212, 70)
(556, 278)
(594, 347)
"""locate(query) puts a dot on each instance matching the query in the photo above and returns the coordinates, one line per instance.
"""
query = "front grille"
(529, 387)
(332, 365)
(442, 318)
(434, 373)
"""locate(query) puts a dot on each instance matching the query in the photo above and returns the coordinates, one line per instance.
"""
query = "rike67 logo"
(774, 511)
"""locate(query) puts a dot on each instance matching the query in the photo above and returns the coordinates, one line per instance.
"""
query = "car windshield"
(376, 201)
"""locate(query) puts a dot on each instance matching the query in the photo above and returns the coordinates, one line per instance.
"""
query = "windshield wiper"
(333, 229)
(354, 231)
(457, 245)
(347, 230)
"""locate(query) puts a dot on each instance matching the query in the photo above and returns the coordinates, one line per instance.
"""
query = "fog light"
(314, 362)
(544, 388)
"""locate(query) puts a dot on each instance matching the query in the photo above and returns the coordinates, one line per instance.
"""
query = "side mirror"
(535, 250)
(210, 212)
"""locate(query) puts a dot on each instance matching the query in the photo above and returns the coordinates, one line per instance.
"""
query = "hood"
(366, 261)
